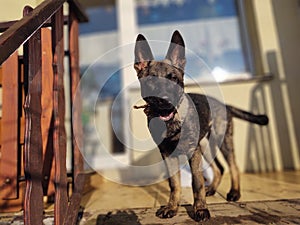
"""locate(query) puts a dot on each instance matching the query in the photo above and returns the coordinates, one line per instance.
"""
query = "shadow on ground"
(118, 218)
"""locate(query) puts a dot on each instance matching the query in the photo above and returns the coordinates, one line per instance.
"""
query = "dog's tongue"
(167, 118)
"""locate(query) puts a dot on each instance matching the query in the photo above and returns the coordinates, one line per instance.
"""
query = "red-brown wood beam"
(9, 167)
(47, 113)
(59, 132)
(33, 204)
(77, 159)
(75, 95)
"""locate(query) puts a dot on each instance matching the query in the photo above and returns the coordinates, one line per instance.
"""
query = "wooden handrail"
(44, 154)
(5, 25)
(22, 30)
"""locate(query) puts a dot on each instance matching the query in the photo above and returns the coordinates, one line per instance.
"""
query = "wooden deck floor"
(271, 198)
(265, 212)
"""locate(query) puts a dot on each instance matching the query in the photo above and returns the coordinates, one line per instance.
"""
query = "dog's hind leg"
(172, 164)
(201, 212)
(228, 152)
(209, 149)
(217, 171)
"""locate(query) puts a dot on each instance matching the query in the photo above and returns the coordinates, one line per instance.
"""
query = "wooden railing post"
(77, 159)
(75, 92)
(47, 114)
(59, 133)
(9, 167)
(33, 205)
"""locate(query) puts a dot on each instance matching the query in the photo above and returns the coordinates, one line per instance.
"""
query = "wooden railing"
(33, 137)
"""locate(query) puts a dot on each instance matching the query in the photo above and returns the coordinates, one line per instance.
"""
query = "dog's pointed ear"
(142, 53)
(176, 52)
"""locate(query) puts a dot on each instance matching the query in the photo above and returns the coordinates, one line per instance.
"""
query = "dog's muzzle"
(162, 96)
(161, 107)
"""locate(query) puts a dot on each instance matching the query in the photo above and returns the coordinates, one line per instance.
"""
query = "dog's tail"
(241, 114)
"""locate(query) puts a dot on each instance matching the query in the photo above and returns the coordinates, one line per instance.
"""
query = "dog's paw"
(166, 212)
(201, 215)
(210, 191)
(233, 195)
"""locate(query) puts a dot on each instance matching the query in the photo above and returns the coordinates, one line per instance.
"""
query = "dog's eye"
(171, 76)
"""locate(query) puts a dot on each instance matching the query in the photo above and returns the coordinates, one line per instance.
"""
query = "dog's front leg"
(172, 164)
(201, 212)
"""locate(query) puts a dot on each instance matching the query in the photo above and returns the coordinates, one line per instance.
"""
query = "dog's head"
(161, 81)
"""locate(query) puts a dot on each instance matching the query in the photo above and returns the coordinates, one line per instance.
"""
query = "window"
(210, 28)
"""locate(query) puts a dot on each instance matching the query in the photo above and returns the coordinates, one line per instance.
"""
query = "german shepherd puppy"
(186, 124)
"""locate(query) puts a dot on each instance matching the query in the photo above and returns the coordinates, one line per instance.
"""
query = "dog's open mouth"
(167, 117)
(162, 109)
